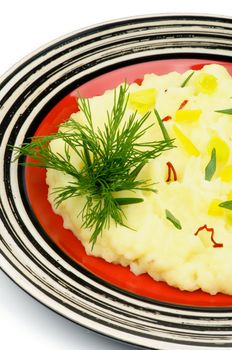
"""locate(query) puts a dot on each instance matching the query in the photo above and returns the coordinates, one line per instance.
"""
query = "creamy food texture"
(187, 258)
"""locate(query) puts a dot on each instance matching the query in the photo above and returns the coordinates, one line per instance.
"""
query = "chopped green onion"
(211, 166)
(226, 205)
(187, 79)
(225, 111)
(174, 221)
(127, 201)
(162, 127)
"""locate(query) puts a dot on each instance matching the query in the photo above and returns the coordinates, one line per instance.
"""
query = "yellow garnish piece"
(186, 142)
(222, 149)
(226, 174)
(214, 209)
(206, 83)
(229, 219)
(143, 100)
(187, 115)
(229, 196)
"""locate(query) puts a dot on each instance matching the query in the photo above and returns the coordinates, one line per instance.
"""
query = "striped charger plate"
(28, 255)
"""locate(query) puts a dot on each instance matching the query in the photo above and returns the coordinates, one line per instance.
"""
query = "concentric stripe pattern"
(27, 92)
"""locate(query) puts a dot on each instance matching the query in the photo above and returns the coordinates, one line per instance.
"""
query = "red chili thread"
(171, 171)
(198, 66)
(138, 81)
(183, 104)
(167, 118)
(215, 244)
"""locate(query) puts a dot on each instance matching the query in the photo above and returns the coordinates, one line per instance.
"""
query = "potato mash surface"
(198, 254)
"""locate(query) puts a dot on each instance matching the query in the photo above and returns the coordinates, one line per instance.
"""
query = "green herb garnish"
(225, 111)
(226, 205)
(128, 200)
(162, 127)
(211, 166)
(174, 221)
(187, 79)
(112, 158)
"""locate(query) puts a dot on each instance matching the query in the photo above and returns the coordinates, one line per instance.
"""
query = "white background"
(24, 26)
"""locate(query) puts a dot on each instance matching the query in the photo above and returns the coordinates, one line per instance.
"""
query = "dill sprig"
(112, 158)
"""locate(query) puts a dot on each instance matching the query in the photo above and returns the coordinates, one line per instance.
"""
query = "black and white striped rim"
(27, 92)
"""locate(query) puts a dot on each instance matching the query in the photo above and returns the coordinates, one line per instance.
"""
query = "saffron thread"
(209, 229)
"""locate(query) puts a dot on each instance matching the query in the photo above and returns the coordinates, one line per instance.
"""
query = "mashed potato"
(179, 257)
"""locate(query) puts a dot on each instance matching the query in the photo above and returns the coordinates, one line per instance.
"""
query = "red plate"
(53, 225)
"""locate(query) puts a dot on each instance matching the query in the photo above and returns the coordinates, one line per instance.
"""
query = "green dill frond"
(112, 157)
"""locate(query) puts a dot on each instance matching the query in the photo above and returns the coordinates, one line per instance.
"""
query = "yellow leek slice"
(186, 142)
(214, 209)
(206, 83)
(229, 196)
(143, 100)
(226, 174)
(187, 115)
(222, 148)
